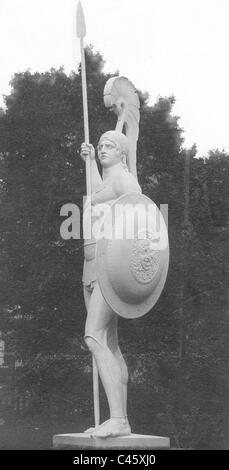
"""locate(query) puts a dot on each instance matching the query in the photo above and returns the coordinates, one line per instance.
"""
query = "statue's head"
(113, 149)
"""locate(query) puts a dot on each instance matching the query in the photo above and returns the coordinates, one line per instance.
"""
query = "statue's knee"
(90, 342)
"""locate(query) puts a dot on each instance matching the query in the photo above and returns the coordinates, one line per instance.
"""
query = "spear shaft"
(84, 88)
(81, 32)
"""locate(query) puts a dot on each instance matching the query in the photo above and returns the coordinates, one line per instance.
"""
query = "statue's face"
(109, 153)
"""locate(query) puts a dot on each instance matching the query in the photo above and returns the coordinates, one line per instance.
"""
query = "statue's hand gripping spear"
(81, 33)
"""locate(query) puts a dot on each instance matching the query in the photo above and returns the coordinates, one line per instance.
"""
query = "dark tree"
(176, 353)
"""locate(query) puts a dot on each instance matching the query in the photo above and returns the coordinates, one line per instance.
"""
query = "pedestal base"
(83, 441)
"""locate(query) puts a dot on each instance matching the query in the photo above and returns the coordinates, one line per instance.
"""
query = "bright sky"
(165, 47)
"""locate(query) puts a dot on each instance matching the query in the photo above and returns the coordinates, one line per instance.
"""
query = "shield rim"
(120, 307)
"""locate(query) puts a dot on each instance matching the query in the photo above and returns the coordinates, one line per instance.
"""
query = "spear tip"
(80, 21)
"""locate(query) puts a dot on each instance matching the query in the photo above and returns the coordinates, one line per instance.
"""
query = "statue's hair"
(118, 138)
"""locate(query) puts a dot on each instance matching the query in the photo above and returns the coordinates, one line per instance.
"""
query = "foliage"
(176, 354)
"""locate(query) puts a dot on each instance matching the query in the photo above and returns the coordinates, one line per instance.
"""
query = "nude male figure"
(101, 334)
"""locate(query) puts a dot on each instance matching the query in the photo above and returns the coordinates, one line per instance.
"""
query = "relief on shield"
(144, 259)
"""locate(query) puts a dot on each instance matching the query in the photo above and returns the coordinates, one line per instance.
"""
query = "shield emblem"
(132, 255)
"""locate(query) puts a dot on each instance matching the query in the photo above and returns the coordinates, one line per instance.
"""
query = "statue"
(116, 159)
(122, 276)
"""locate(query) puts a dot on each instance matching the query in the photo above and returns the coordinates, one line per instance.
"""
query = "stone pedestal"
(82, 441)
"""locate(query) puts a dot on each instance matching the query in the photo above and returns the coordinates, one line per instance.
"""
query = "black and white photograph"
(114, 176)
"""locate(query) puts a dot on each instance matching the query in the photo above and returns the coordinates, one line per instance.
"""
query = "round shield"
(132, 255)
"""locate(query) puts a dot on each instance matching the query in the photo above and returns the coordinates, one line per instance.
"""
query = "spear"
(81, 33)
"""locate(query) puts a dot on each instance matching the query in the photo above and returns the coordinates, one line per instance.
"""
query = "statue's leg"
(87, 296)
(113, 345)
(100, 319)
(100, 333)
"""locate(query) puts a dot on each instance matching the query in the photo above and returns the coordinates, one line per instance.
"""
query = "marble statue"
(144, 266)
(101, 325)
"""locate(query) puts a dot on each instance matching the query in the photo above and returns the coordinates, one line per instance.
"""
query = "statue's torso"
(107, 194)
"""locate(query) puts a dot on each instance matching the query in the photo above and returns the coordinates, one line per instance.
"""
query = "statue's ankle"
(123, 417)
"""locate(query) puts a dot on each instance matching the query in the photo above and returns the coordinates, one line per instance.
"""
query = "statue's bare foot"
(114, 427)
(92, 428)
